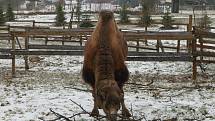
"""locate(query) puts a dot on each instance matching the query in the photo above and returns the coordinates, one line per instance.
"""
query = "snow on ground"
(52, 82)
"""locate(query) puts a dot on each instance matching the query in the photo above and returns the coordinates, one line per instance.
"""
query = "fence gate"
(205, 46)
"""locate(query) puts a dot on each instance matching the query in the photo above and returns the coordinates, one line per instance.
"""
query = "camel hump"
(106, 16)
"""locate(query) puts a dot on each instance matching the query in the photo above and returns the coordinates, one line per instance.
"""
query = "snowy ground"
(53, 81)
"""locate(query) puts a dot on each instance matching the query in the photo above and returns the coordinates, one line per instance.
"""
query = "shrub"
(60, 18)
(124, 14)
(9, 13)
(145, 19)
(2, 17)
(86, 22)
(205, 22)
(167, 20)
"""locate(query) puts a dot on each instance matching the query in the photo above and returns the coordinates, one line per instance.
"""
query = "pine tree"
(205, 22)
(71, 18)
(60, 18)
(145, 19)
(86, 22)
(167, 20)
(175, 6)
(78, 10)
(131, 3)
(2, 17)
(124, 14)
(9, 13)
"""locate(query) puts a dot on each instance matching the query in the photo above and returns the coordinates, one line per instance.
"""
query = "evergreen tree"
(78, 10)
(2, 18)
(124, 14)
(71, 18)
(175, 6)
(131, 3)
(86, 22)
(145, 19)
(9, 13)
(60, 18)
(205, 22)
(167, 20)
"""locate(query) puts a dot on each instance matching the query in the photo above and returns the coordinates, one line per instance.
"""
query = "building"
(97, 5)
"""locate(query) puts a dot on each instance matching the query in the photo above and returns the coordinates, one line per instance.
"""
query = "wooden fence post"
(34, 27)
(189, 29)
(26, 48)
(146, 41)
(201, 48)
(8, 29)
(138, 43)
(158, 45)
(81, 39)
(33, 24)
(178, 46)
(194, 59)
(13, 56)
(190, 25)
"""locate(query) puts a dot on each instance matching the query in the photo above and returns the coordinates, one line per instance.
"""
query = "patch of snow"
(49, 85)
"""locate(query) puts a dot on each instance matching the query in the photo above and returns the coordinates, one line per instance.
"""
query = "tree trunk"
(175, 6)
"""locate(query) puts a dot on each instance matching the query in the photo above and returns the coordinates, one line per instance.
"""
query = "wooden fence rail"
(205, 45)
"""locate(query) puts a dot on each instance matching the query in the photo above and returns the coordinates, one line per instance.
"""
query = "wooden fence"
(196, 50)
(83, 34)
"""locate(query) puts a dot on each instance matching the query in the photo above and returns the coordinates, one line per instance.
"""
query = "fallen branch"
(60, 116)
(165, 88)
(144, 85)
(86, 112)
(97, 118)
(105, 117)
(79, 89)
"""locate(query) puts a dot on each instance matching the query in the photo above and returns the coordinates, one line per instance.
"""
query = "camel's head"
(108, 98)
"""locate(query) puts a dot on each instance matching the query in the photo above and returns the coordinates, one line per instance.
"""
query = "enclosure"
(172, 72)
